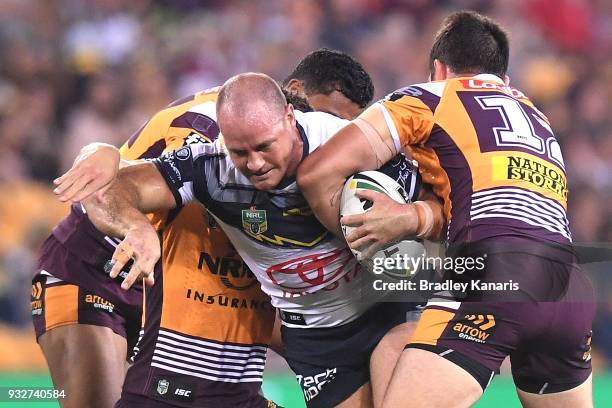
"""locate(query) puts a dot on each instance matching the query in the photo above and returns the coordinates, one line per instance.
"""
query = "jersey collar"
(306, 148)
(490, 78)
(305, 144)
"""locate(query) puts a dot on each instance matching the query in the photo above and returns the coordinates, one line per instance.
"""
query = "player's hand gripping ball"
(351, 204)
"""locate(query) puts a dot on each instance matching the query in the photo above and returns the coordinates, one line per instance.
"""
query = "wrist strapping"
(425, 219)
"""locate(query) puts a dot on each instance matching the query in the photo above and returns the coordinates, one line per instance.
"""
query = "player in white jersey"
(246, 179)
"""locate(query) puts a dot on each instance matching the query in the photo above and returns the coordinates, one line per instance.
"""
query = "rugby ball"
(351, 204)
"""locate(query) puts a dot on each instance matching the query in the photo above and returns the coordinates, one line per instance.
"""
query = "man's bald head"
(259, 129)
(254, 99)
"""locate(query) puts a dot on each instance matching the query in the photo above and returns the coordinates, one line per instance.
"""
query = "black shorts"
(545, 326)
(332, 363)
(140, 401)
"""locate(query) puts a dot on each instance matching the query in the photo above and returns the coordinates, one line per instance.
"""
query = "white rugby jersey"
(306, 270)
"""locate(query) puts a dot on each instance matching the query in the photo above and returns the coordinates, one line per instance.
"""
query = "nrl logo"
(254, 221)
(162, 386)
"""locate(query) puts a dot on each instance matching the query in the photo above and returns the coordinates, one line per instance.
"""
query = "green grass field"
(500, 394)
(284, 390)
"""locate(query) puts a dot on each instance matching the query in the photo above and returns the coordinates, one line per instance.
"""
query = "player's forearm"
(324, 200)
(116, 212)
(138, 189)
(322, 174)
(321, 184)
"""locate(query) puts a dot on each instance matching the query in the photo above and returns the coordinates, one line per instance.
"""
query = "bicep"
(365, 144)
(322, 174)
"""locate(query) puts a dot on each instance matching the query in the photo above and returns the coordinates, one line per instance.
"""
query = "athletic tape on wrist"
(426, 219)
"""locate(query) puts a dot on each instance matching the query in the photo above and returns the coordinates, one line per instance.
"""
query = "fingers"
(76, 184)
(142, 268)
(371, 250)
(65, 183)
(134, 275)
(368, 246)
(149, 280)
(123, 253)
(80, 182)
(95, 186)
(62, 182)
(75, 191)
(369, 194)
(355, 234)
(361, 242)
(354, 220)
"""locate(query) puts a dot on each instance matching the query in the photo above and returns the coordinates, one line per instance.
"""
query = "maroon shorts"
(56, 303)
(68, 290)
(545, 326)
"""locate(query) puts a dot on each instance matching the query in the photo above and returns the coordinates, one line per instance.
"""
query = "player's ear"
(441, 70)
(506, 80)
(295, 86)
(289, 114)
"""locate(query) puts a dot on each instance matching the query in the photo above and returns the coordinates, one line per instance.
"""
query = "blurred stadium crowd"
(78, 71)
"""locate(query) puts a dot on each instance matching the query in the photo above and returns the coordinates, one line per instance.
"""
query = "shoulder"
(317, 119)
(416, 90)
(197, 113)
(206, 150)
(319, 126)
(426, 93)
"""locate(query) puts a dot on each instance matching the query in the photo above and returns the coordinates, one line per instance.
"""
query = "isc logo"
(182, 392)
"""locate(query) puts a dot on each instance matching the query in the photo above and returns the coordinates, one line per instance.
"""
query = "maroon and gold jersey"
(489, 154)
(206, 317)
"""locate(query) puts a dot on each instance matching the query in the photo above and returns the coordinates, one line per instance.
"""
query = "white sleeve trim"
(392, 128)
(186, 192)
